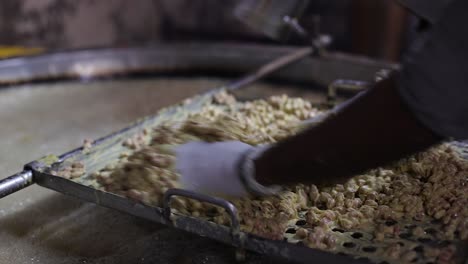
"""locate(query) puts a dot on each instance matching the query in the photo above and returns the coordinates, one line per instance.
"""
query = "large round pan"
(50, 103)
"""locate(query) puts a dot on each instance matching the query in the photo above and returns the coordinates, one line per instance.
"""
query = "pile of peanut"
(427, 186)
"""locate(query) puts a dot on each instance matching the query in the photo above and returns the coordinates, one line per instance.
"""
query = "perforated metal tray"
(355, 243)
(107, 149)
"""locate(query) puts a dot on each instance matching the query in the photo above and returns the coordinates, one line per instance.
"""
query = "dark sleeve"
(434, 77)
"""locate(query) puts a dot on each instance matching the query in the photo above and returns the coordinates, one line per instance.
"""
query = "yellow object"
(14, 51)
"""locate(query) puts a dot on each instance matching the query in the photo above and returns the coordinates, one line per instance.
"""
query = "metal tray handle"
(353, 85)
(229, 207)
(344, 85)
(15, 183)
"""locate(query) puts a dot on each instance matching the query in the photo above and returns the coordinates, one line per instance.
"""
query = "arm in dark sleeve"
(414, 109)
(372, 130)
(434, 78)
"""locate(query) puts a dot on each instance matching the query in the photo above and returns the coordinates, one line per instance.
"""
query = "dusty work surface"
(40, 226)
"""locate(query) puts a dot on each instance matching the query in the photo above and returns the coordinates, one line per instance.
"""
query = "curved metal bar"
(229, 207)
(271, 67)
(186, 57)
(15, 183)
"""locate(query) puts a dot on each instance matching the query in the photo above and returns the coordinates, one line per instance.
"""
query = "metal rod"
(270, 68)
(314, 39)
(15, 183)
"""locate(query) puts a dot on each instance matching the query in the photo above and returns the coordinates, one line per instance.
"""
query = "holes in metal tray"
(291, 231)
(338, 230)
(431, 231)
(369, 249)
(349, 244)
(301, 222)
(405, 235)
(419, 249)
(424, 240)
(444, 243)
(357, 235)
(322, 206)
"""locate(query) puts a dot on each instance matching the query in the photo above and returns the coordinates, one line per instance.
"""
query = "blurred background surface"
(374, 28)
